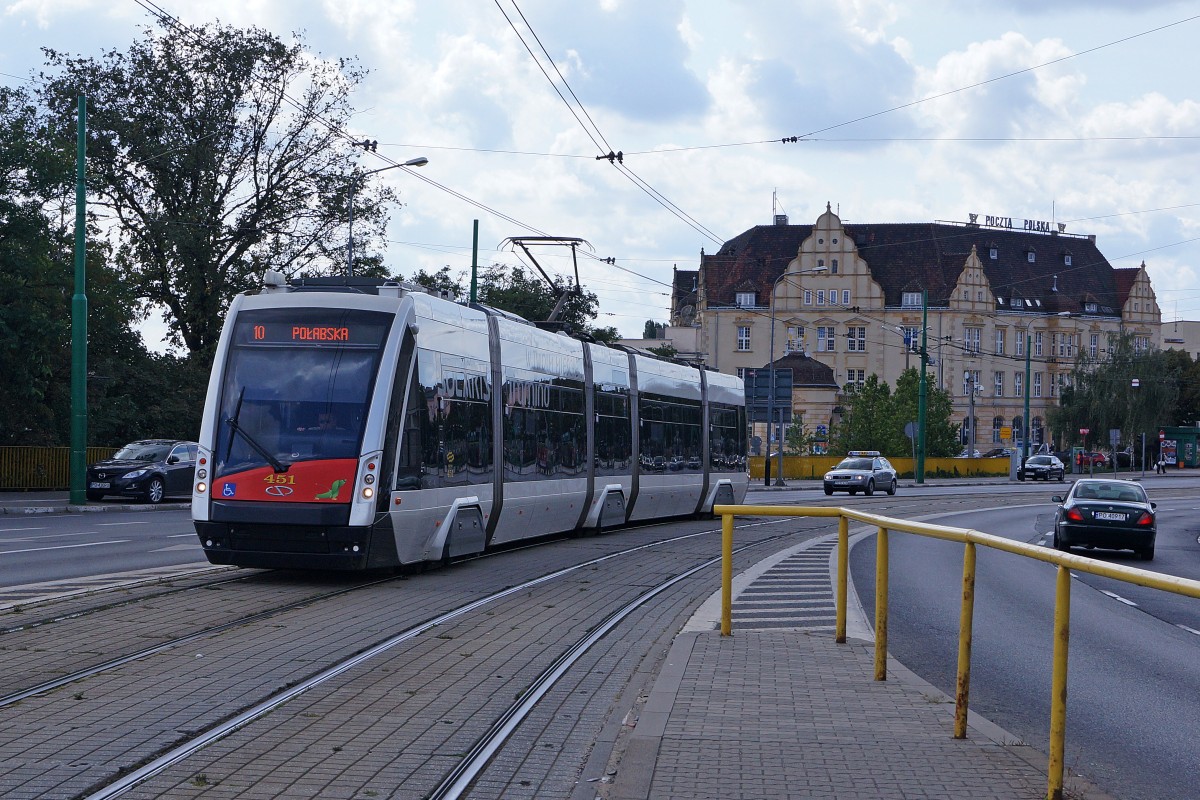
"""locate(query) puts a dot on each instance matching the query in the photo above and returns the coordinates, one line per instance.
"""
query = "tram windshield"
(297, 383)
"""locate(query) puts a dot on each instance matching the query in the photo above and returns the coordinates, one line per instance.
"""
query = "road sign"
(1135, 383)
(1162, 435)
(758, 390)
(1006, 431)
(1084, 431)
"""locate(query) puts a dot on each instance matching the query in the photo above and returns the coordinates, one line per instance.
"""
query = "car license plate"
(1109, 515)
(99, 485)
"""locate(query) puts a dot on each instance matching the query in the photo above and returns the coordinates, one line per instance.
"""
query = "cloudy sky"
(1080, 112)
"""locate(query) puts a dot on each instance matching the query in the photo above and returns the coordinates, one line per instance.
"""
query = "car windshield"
(1040, 460)
(855, 463)
(143, 451)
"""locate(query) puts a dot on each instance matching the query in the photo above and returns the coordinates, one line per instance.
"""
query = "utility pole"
(79, 320)
(1028, 429)
(922, 391)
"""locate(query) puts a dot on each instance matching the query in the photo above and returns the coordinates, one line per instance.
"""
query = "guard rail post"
(843, 569)
(726, 574)
(881, 603)
(1058, 684)
(963, 687)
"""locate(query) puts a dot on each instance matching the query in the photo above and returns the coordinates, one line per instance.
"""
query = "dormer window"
(910, 299)
(1067, 259)
(1031, 256)
(1089, 308)
(745, 299)
(993, 253)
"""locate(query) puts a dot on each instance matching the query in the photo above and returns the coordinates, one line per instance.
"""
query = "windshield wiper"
(233, 424)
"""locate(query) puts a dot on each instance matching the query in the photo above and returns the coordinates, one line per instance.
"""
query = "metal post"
(1058, 684)
(474, 263)
(726, 574)
(79, 310)
(843, 569)
(922, 391)
(962, 691)
(881, 604)
(771, 399)
(1028, 428)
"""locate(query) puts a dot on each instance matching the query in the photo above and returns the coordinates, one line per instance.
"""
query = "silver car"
(861, 471)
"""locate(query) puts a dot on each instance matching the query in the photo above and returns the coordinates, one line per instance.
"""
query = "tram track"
(476, 760)
(649, 554)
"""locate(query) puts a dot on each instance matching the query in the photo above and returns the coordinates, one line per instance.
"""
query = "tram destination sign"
(758, 390)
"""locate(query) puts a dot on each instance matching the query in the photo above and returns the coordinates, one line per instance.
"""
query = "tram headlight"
(201, 487)
(368, 479)
(201, 473)
(368, 493)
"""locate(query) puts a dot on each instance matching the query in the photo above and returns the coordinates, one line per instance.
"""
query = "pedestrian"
(1160, 468)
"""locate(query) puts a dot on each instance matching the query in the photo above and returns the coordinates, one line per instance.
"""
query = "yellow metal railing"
(32, 468)
(1065, 562)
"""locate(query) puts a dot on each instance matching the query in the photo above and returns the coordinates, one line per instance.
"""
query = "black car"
(149, 469)
(1048, 468)
(1112, 514)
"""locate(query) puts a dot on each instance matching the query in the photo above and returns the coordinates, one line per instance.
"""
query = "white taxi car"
(861, 471)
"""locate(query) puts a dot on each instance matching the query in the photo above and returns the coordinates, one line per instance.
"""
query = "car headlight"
(860, 478)
(137, 473)
(828, 476)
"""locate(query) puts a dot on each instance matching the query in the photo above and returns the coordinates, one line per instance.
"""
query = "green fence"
(33, 468)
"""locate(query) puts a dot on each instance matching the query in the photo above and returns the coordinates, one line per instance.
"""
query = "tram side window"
(727, 446)
(544, 432)
(670, 434)
(614, 446)
(447, 438)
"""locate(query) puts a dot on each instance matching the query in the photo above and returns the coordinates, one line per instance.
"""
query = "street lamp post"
(419, 161)
(771, 367)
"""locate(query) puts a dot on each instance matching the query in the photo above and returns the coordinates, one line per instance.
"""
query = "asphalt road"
(1132, 704)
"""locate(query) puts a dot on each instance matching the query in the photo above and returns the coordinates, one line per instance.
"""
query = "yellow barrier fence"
(815, 467)
(1065, 562)
(41, 468)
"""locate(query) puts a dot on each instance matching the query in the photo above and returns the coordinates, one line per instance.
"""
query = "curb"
(68, 508)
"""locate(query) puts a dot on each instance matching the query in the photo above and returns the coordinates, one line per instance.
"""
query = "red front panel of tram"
(328, 481)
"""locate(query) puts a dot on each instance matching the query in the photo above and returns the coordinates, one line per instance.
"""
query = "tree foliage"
(130, 393)
(874, 416)
(1102, 396)
(210, 170)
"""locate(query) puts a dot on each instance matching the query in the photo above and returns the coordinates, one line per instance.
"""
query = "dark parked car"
(998, 452)
(1048, 468)
(1106, 513)
(149, 469)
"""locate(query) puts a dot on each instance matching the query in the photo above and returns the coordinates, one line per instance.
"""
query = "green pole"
(1026, 428)
(475, 262)
(79, 323)
(922, 390)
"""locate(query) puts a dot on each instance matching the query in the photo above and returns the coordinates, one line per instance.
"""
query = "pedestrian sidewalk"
(780, 710)
(59, 502)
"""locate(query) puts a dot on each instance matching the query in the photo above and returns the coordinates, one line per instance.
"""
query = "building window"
(993, 253)
(795, 338)
(966, 294)
(1031, 257)
(1000, 335)
(825, 339)
(1090, 308)
(1037, 384)
(1053, 385)
(833, 267)
(972, 336)
(845, 297)
(820, 263)
(1019, 342)
(979, 295)
(856, 376)
(1067, 259)
(741, 372)
(820, 297)
(1094, 345)
(999, 380)
(997, 424)
(857, 337)
(745, 299)
(910, 299)
(743, 339)
(970, 380)
(1019, 384)
(912, 339)
(1035, 430)
(1037, 344)
(808, 297)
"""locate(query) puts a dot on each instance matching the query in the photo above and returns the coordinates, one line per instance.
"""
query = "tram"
(354, 423)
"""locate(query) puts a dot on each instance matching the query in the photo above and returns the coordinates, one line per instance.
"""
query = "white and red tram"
(358, 424)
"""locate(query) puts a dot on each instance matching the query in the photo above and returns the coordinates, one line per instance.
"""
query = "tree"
(941, 435)
(1103, 396)
(664, 350)
(873, 418)
(212, 172)
(653, 330)
(514, 290)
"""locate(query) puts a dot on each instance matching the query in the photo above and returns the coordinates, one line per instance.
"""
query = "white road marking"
(22, 530)
(181, 535)
(51, 536)
(146, 522)
(1118, 598)
(1190, 630)
(61, 547)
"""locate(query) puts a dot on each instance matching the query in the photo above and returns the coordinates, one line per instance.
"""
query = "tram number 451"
(280, 479)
